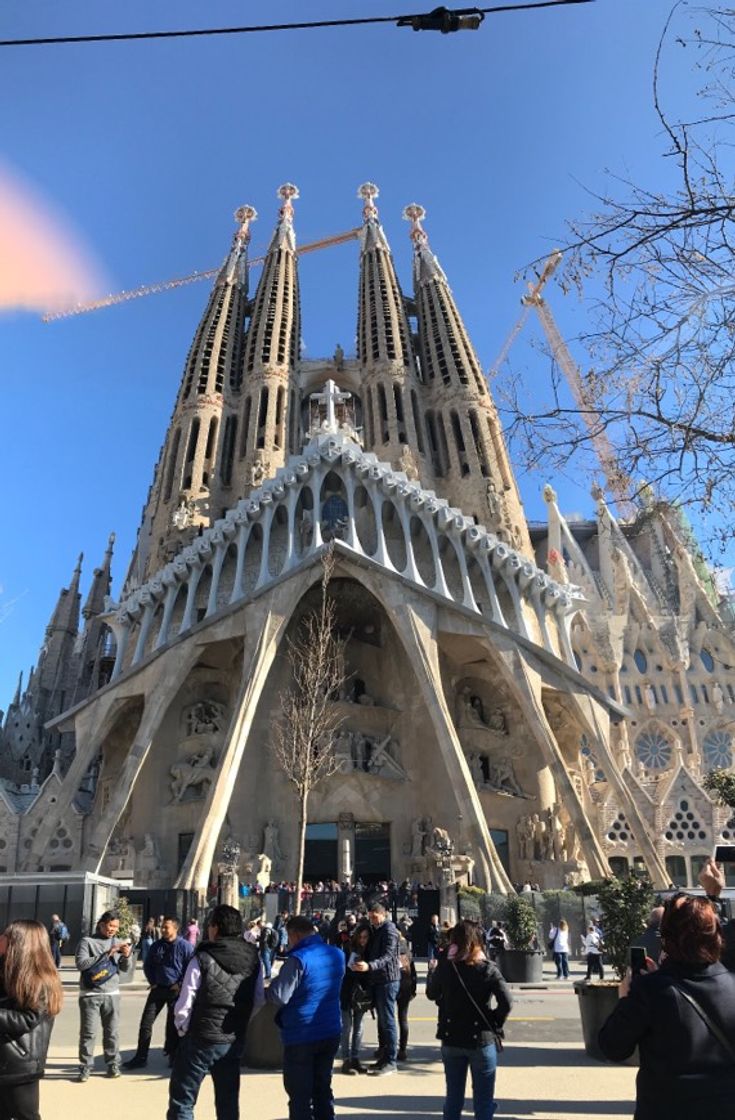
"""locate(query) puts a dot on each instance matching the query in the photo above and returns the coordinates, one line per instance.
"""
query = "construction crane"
(192, 278)
(618, 484)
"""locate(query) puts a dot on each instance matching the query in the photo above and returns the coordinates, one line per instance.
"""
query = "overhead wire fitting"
(441, 19)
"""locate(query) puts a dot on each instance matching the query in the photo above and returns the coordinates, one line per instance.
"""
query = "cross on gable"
(330, 397)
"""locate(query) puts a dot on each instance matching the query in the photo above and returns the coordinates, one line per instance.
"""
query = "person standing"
(218, 995)
(100, 958)
(559, 942)
(463, 984)
(165, 966)
(355, 999)
(406, 992)
(307, 995)
(385, 976)
(432, 938)
(592, 947)
(269, 942)
(58, 935)
(30, 999)
(193, 933)
(147, 938)
(681, 1016)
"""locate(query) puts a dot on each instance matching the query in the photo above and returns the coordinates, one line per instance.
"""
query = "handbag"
(711, 1026)
(495, 1031)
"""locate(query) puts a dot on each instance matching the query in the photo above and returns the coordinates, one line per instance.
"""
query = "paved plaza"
(544, 1073)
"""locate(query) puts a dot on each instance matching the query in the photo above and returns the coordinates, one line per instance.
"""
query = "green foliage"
(472, 892)
(584, 890)
(127, 917)
(625, 905)
(721, 783)
(520, 921)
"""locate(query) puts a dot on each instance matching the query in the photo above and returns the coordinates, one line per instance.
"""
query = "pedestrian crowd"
(677, 1008)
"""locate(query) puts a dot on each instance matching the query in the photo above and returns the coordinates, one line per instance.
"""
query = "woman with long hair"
(681, 1016)
(355, 999)
(559, 944)
(30, 999)
(464, 984)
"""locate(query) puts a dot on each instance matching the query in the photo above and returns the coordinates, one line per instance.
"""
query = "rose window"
(654, 750)
(717, 750)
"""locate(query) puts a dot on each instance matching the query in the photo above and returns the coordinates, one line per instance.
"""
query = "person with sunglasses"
(681, 1016)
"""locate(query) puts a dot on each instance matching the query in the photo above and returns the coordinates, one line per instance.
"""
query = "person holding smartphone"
(681, 1016)
(99, 999)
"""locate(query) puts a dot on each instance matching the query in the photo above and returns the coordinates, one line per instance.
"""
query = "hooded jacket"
(224, 1002)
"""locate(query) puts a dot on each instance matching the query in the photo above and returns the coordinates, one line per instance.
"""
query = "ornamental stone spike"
(368, 192)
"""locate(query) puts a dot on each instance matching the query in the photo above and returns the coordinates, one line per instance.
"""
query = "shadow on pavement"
(431, 1107)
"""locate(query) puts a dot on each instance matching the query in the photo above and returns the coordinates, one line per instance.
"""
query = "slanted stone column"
(418, 637)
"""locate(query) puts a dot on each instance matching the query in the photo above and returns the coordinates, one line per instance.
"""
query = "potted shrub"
(522, 963)
(625, 905)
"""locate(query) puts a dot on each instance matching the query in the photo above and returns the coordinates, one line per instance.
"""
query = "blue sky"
(146, 149)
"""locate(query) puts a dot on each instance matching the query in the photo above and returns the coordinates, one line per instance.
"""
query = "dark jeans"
(158, 998)
(19, 1102)
(482, 1062)
(267, 958)
(307, 1079)
(194, 1060)
(594, 964)
(561, 960)
(385, 1009)
(351, 1033)
(56, 952)
(402, 1008)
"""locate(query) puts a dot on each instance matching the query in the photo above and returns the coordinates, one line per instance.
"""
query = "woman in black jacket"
(463, 984)
(30, 998)
(681, 1017)
(355, 999)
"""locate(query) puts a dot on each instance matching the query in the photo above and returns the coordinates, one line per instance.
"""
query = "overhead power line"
(442, 19)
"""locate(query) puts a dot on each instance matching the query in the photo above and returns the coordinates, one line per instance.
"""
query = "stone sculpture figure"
(418, 837)
(271, 843)
(478, 774)
(718, 696)
(525, 837)
(556, 833)
(502, 777)
(497, 722)
(539, 837)
(204, 718)
(265, 866)
(493, 500)
(194, 771)
(258, 471)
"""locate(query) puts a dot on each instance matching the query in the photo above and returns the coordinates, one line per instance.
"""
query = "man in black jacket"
(220, 988)
(384, 970)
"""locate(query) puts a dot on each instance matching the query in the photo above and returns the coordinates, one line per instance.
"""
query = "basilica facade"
(543, 700)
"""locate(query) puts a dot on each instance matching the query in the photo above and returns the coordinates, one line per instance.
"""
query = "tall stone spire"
(391, 404)
(94, 653)
(465, 438)
(179, 500)
(56, 653)
(265, 427)
(100, 586)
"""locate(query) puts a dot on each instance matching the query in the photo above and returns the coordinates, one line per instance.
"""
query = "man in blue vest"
(306, 991)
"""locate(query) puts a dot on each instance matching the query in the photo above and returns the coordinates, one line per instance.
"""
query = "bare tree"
(305, 736)
(663, 335)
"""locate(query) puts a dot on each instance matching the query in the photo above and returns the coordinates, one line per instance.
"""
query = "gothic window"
(370, 418)
(383, 409)
(171, 466)
(433, 443)
(334, 510)
(717, 750)
(707, 660)
(619, 866)
(417, 422)
(684, 824)
(653, 749)
(191, 451)
(245, 427)
(292, 423)
(641, 661)
(586, 752)
(479, 445)
(398, 400)
(262, 417)
(280, 397)
(443, 446)
(211, 438)
(459, 442)
(228, 449)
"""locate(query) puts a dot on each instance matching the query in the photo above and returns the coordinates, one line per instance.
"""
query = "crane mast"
(618, 484)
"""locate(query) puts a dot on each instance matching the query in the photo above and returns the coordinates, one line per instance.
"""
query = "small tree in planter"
(523, 962)
(625, 905)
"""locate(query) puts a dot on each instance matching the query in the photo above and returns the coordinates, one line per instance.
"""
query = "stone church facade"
(546, 698)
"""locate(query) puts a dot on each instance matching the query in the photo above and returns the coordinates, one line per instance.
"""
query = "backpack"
(273, 939)
(61, 933)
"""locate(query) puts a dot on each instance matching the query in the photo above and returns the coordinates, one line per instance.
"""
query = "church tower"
(392, 411)
(463, 432)
(180, 499)
(261, 427)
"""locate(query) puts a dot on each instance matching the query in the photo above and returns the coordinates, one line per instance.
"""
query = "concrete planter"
(521, 966)
(596, 1003)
